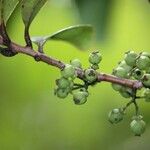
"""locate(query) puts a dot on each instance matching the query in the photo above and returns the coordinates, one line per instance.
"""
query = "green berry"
(79, 97)
(146, 94)
(85, 91)
(125, 94)
(145, 54)
(68, 71)
(115, 116)
(143, 62)
(95, 66)
(120, 72)
(71, 84)
(124, 65)
(76, 63)
(130, 58)
(146, 80)
(63, 83)
(137, 126)
(90, 75)
(138, 74)
(116, 87)
(61, 93)
(95, 57)
(148, 70)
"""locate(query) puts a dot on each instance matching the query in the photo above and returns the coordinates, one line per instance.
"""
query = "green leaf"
(95, 12)
(30, 9)
(78, 35)
(6, 9)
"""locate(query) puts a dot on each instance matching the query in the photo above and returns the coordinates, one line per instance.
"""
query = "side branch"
(135, 84)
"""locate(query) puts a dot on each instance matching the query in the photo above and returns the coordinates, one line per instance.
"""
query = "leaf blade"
(77, 35)
(30, 9)
(7, 7)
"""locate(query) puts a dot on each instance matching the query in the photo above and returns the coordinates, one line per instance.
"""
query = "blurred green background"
(32, 118)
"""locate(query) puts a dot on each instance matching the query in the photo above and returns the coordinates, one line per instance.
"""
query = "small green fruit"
(130, 58)
(145, 54)
(90, 75)
(95, 57)
(63, 83)
(79, 97)
(61, 93)
(124, 65)
(138, 74)
(146, 94)
(120, 72)
(85, 91)
(115, 116)
(95, 66)
(68, 71)
(117, 87)
(76, 63)
(137, 126)
(125, 94)
(146, 80)
(143, 62)
(148, 70)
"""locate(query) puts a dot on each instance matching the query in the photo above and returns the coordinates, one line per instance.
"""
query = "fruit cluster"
(136, 67)
(66, 84)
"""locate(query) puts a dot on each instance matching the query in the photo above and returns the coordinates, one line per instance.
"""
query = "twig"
(134, 84)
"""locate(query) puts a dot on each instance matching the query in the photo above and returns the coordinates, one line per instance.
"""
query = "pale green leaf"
(30, 8)
(79, 36)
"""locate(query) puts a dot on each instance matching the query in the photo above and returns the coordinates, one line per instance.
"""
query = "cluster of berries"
(66, 84)
(137, 124)
(136, 67)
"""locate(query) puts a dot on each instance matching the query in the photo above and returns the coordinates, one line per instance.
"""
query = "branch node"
(37, 58)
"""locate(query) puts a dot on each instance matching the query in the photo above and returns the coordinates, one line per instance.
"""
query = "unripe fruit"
(85, 91)
(115, 116)
(138, 74)
(125, 94)
(145, 54)
(95, 66)
(146, 80)
(63, 83)
(71, 84)
(120, 72)
(76, 63)
(68, 71)
(130, 58)
(79, 97)
(95, 58)
(137, 126)
(143, 62)
(117, 87)
(148, 70)
(90, 75)
(146, 94)
(124, 65)
(61, 93)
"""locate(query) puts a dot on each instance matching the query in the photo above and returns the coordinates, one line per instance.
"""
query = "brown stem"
(80, 73)
(4, 34)
(27, 37)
